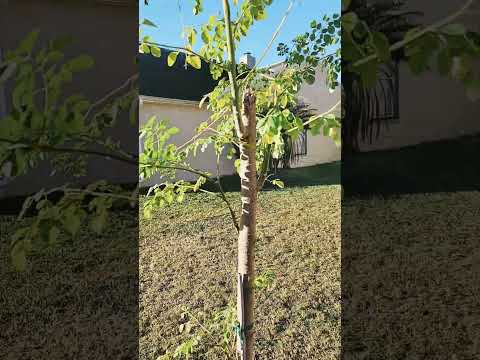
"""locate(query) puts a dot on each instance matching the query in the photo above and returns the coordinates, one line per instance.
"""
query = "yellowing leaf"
(155, 50)
(237, 164)
(172, 57)
(144, 49)
(147, 213)
(267, 139)
(191, 36)
(194, 61)
(278, 183)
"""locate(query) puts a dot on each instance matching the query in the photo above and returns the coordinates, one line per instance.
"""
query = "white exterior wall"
(185, 115)
(320, 149)
(431, 107)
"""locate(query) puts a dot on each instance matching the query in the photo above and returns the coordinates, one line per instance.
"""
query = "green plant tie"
(240, 332)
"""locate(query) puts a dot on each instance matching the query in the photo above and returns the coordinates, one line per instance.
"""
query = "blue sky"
(170, 14)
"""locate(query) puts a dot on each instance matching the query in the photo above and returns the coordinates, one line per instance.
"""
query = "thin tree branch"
(432, 27)
(128, 160)
(232, 73)
(198, 321)
(222, 192)
(186, 50)
(316, 117)
(270, 43)
(180, 168)
(135, 162)
(129, 81)
(195, 137)
(47, 148)
(275, 35)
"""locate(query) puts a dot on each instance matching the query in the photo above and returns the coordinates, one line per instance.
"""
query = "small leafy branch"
(207, 333)
(45, 125)
(450, 43)
(65, 132)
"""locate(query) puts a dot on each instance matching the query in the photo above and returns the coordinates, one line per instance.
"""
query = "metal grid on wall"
(388, 88)
(301, 144)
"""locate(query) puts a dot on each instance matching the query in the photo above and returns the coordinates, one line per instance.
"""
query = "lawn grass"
(83, 289)
(323, 174)
(188, 257)
(410, 277)
(408, 286)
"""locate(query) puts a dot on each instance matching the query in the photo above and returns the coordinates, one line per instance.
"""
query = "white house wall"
(431, 107)
(186, 116)
(320, 149)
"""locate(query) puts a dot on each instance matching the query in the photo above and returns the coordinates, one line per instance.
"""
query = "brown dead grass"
(188, 256)
(411, 277)
(77, 301)
(410, 280)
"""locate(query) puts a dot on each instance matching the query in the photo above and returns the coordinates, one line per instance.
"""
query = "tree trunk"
(246, 237)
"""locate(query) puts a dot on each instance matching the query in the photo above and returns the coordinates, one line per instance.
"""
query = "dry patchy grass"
(411, 277)
(410, 280)
(77, 301)
(188, 257)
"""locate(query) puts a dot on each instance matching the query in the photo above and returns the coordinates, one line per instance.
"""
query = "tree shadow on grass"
(323, 174)
(441, 166)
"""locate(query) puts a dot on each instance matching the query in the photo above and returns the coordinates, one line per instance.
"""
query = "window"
(301, 144)
(387, 99)
(3, 100)
(6, 169)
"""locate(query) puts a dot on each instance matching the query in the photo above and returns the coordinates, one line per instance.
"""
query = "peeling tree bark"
(246, 237)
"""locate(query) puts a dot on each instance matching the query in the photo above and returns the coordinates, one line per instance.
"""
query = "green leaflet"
(194, 61)
(454, 29)
(80, 63)
(382, 46)
(172, 57)
(147, 22)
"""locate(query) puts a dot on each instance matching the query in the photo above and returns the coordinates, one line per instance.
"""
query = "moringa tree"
(251, 110)
(364, 49)
(45, 125)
